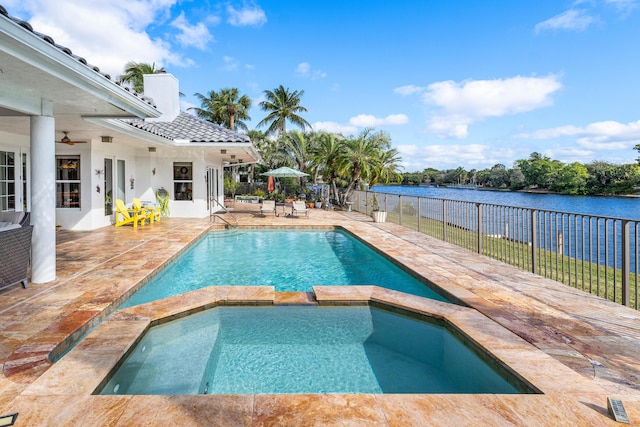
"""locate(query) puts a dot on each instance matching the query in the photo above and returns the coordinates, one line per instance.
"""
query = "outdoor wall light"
(132, 181)
(107, 138)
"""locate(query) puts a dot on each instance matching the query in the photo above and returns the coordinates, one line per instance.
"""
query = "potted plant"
(318, 203)
(376, 213)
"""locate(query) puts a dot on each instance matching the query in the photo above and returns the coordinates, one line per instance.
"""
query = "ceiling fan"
(66, 140)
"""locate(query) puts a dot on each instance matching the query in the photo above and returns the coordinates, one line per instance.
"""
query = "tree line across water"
(541, 173)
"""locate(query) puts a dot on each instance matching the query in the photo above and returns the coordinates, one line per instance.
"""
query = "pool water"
(304, 349)
(289, 260)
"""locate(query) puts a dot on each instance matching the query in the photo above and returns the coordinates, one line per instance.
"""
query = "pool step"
(295, 298)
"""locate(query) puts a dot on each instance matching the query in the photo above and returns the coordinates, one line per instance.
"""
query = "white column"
(43, 198)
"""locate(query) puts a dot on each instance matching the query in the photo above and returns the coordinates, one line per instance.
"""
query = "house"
(72, 140)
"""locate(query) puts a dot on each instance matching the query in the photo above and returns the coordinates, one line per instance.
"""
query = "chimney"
(163, 89)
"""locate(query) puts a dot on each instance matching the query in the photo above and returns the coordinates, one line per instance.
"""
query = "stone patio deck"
(597, 343)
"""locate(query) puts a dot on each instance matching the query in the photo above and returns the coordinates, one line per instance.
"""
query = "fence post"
(366, 202)
(626, 263)
(400, 206)
(479, 246)
(444, 220)
(419, 214)
(560, 243)
(534, 240)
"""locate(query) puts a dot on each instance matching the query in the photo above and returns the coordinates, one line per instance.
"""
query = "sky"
(454, 83)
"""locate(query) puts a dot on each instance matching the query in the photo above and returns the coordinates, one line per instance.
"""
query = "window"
(67, 181)
(183, 180)
(7, 181)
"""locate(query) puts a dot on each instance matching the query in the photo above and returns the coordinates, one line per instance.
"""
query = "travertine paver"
(597, 339)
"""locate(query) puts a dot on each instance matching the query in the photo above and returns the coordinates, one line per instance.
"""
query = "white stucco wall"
(139, 164)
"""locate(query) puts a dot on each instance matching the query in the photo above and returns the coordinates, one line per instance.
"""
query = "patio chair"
(147, 212)
(268, 206)
(126, 216)
(299, 207)
(15, 253)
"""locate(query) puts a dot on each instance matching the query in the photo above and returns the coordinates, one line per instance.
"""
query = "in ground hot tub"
(308, 349)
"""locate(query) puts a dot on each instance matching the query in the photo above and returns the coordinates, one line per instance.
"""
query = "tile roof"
(25, 25)
(189, 127)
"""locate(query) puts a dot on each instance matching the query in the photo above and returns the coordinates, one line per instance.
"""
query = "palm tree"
(208, 111)
(267, 148)
(282, 105)
(134, 72)
(361, 158)
(324, 158)
(225, 108)
(388, 168)
(298, 147)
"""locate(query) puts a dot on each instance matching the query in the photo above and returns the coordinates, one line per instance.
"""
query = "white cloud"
(572, 19)
(333, 127)
(623, 6)
(304, 70)
(367, 120)
(409, 90)
(462, 104)
(597, 136)
(197, 35)
(445, 156)
(230, 63)
(360, 121)
(247, 16)
(570, 155)
(107, 34)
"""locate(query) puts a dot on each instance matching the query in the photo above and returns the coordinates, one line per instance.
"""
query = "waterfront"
(609, 206)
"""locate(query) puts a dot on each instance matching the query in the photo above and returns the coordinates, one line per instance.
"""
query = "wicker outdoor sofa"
(15, 248)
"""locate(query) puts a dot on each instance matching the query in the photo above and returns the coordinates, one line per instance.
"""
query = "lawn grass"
(600, 280)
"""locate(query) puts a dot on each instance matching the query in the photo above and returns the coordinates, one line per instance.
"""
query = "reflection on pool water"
(289, 260)
(305, 349)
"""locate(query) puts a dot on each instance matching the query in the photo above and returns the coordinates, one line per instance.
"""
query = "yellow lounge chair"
(147, 212)
(125, 216)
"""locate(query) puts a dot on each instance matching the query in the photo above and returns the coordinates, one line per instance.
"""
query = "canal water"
(602, 238)
(616, 207)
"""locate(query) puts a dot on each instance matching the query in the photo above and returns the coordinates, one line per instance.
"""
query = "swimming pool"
(289, 260)
(306, 349)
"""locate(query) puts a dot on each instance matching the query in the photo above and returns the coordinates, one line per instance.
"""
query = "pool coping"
(86, 368)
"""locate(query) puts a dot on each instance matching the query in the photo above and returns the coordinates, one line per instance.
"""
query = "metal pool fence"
(594, 253)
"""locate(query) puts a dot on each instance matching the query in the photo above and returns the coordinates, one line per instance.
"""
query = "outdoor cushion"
(11, 216)
(9, 226)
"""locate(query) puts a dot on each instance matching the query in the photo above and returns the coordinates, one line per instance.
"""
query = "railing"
(594, 253)
(217, 214)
